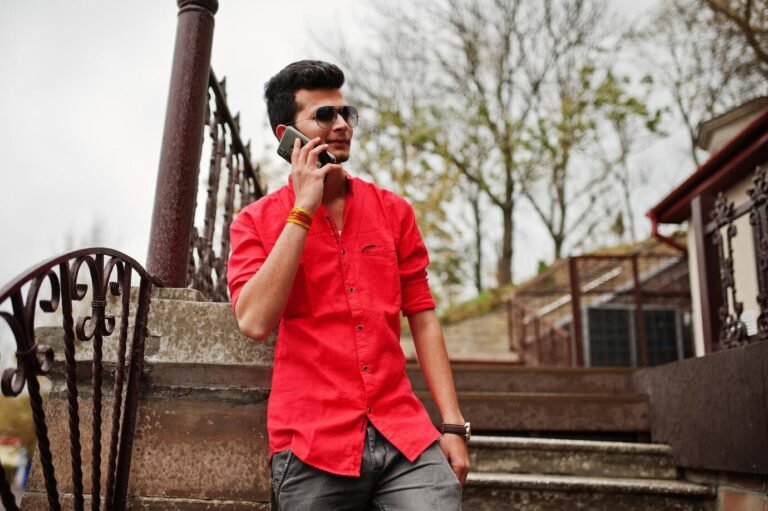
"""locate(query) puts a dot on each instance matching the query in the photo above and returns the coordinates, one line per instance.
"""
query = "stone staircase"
(545, 440)
(538, 474)
(503, 398)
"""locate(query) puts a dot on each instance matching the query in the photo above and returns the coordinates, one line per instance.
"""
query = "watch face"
(467, 431)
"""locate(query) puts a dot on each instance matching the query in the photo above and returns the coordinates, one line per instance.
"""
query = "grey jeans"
(387, 482)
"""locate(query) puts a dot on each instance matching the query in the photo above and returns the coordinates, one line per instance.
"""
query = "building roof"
(733, 162)
(716, 132)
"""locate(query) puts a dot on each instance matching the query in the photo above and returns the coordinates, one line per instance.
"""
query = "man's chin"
(341, 156)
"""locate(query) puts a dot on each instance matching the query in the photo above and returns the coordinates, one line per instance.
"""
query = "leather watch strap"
(456, 429)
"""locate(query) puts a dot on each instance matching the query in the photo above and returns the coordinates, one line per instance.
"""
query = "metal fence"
(232, 182)
(604, 310)
(721, 233)
(95, 353)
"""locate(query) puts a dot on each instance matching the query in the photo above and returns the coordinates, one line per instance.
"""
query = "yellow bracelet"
(301, 216)
(297, 222)
(301, 210)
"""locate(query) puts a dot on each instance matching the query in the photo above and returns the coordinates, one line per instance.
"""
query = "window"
(611, 339)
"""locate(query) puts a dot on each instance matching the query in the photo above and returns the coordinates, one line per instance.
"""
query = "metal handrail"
(107, 273)
(207, 269)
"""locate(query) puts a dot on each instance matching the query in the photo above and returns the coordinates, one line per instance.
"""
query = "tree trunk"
(477, 269)
(505, 275)
(558, 241)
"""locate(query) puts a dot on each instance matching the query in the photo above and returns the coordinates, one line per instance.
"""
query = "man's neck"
(335, 188)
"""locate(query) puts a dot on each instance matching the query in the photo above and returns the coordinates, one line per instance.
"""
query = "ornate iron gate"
(100, 279)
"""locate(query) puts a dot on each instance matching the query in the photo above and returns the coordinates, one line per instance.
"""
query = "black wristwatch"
(457, 429)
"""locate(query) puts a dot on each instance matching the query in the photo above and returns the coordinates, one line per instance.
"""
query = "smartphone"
(285, 148)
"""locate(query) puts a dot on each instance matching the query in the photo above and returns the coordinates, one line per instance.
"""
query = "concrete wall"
(712, 410)
(482, 337)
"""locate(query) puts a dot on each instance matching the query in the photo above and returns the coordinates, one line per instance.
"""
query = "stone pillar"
(177, 175)
(201, 439)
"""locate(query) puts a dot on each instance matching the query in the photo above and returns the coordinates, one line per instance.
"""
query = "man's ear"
(280, 130)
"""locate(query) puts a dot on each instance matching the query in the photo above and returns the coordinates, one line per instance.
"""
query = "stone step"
(536, 492)
(517, 455)
(553, 413)
(509, 377)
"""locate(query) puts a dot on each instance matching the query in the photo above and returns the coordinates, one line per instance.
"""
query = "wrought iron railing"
(536, 339)
(233, 182)
(722, 233)
(94, 347)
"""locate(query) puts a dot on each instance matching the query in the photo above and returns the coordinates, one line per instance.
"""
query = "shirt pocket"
(379, 268)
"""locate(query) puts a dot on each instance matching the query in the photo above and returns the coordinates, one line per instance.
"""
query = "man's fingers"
(295, 151)
(460, 469)
(307, 148)
(457, 455)
(313, 156)
(318, 149)
(461, 473)
(329, 167)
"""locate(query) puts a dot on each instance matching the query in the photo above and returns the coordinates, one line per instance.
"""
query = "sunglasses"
(325, 116)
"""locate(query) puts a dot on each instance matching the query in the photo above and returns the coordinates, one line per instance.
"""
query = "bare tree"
(531, 80)
(494, 100)
(630, 124)
(704, 69)
(398, 121)
(563, 181)
(746, 20)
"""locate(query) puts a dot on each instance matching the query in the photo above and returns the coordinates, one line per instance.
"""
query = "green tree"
(510, 96)
(632, 124)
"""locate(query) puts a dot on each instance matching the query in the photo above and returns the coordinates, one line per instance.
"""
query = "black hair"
(280, 90)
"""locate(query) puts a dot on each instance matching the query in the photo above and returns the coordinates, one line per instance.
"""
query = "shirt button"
(351, 289)
(359, 327)
(365, 368)
(369, 410)
(343, 251)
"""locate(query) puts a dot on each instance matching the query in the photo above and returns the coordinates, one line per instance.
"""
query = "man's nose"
(340, 123)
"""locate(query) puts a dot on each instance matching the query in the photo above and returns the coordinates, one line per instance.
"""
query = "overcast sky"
(83, 92)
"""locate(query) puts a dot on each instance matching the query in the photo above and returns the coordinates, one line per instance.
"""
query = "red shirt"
(338, 360)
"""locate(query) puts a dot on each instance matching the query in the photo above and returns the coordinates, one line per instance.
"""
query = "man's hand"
(307, 178)
(455, 449)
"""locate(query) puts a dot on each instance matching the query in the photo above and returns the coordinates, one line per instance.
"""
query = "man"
(334, 260)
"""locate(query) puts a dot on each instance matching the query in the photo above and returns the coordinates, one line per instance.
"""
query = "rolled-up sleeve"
(412, 261)
(248, 254)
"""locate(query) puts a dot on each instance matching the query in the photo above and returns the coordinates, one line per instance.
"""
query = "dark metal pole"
(173, 213)
(511, 326)
(576, 338)
(639, 318)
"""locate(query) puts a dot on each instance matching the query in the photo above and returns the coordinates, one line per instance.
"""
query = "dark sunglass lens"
(325, 115)
(349, 114)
